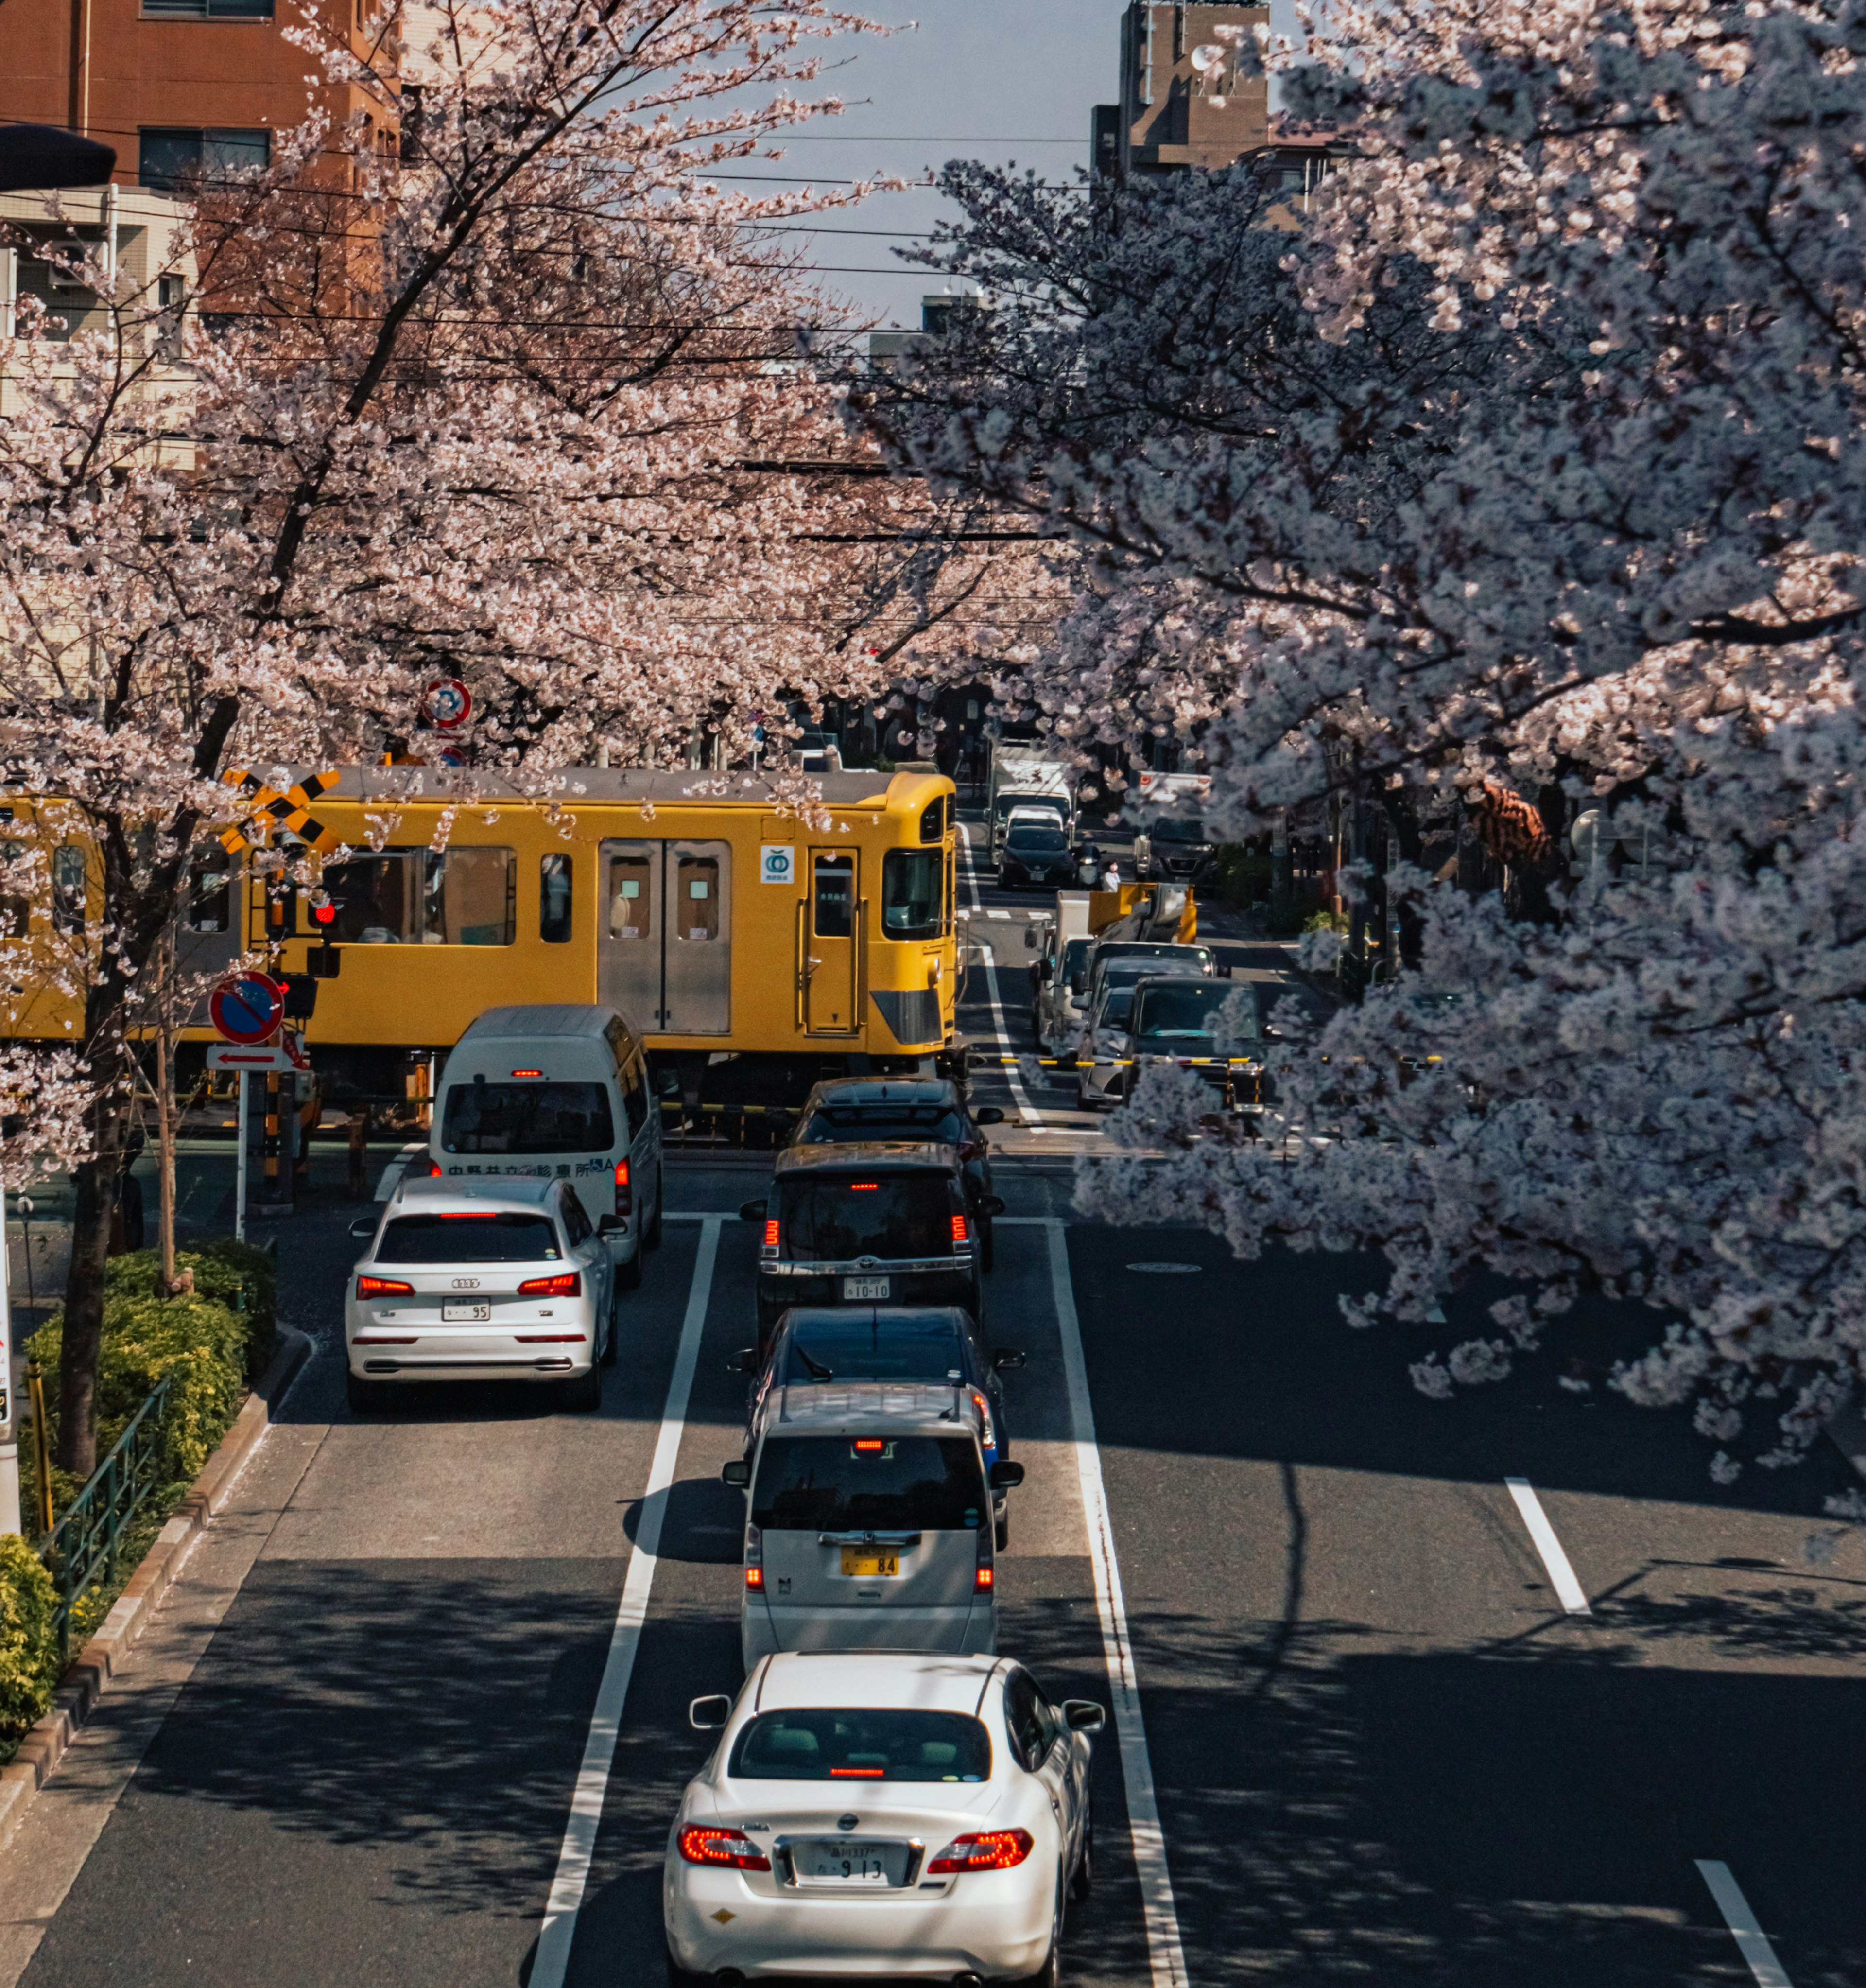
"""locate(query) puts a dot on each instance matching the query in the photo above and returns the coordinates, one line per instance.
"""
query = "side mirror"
(667, 1083)
(1003, 1358)
(752, 1210)
(605, 1222)
(708, 1715)
(988, 1114)
(363, 1228)
(1005, 1476)
(743, 1361)
(1080, 1715)
(738, 1473)
(1032, 939)
(990, 1204)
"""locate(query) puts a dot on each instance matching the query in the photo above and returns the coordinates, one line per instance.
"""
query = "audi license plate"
(839, 1860)
(465, 1314)
(871, 1566)
(865, 1290)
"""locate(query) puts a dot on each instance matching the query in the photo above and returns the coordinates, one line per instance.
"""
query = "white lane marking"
(1568, 1590)
(1033, 1118)
(1752, 1941)
(573, 1859)
(997, 915)
(1157, 1901)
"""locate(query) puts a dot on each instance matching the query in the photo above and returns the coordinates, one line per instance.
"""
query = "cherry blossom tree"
(1531, 466)
(504, 386)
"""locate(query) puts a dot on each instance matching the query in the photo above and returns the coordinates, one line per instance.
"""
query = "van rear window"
(893, 1215)
(862, 1746)
(529, 1117)
(887, 1483)
(497, 1238)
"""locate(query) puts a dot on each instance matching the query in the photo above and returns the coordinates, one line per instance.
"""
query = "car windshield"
(1039, 838)
(494, 1236)
(836, 1124)
(895, 1216)
(845, 1346)
(1075, 952)
(876, 1483)
(1117, 1006)
(527, 1118)
(862, 1746)
(1178, 831)
(1188, 1012)
(1108, 956)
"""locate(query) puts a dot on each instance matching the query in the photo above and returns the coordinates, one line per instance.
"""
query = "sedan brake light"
(570, 1285)
(731, 1848)
(377, 1287)
(989, 1850)
(625, 1191)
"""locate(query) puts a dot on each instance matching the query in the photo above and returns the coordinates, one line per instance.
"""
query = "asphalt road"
(1381, 1749)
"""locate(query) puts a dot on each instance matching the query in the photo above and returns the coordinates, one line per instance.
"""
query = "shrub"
(241, 1276)
(28, 1646)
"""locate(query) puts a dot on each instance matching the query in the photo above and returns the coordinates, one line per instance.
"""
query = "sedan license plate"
(866, 1290)
(837, 1860)
(871, 1566)
(465, 1314)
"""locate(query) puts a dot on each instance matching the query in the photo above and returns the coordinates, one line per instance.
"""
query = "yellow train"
(751, 952)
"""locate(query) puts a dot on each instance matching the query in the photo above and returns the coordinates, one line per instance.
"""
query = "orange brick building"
(178, 86)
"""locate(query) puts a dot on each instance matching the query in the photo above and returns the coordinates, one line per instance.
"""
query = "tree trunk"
(1401, 810)
(167, 1284)
(83, 1328)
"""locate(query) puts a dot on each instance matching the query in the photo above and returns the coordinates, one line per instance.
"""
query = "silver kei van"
(561, 1092)
(868, 1525)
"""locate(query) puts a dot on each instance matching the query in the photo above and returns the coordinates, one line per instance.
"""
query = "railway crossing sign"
(248, 1008)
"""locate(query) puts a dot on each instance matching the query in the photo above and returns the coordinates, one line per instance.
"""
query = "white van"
(558, 1091)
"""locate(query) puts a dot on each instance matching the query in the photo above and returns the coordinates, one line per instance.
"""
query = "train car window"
(469, 897)
(211, 894)
(68, 887)
(910, 893)
(15, 906)
(835, 896)
(932, 820)
(554, 900)
(369, 901)
(697, 897)
(630, 904)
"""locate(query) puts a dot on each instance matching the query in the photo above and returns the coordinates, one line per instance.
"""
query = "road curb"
(88, 1675)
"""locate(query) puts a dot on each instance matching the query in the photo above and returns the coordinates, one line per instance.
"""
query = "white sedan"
(874, 1814)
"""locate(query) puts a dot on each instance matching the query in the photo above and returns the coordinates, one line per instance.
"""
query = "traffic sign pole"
(239, 1188)
(10, 1419)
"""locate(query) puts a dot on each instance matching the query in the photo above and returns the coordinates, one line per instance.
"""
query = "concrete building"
(181, 89)
(1182, 101)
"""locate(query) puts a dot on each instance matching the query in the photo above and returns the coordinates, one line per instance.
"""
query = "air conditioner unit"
(66, 282)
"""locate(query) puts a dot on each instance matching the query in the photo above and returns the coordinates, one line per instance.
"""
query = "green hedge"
(28, 1647)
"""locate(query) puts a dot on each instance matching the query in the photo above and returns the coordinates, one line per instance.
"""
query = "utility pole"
(9, 1423)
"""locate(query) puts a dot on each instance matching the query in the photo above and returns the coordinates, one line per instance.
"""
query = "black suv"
(849, 1108)
(880, 1223)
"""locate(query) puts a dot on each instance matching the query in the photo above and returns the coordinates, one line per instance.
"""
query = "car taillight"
(959, 1237)
(433, 1169)
(984, 1576)
(625, 1193)
(771, 1234)
(991, 1850)
(755, 1576)
(568, 1286)
(984, 1417)
(380, 1287)
(731, 1848)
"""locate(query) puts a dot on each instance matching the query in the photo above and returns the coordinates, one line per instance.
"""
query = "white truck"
(1027, 776)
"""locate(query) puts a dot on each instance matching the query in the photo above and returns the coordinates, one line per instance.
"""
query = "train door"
(696, 947)
(835, 908)
(664, 954)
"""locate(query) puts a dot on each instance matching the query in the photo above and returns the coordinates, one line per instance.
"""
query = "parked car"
(933, 1346)
(1103, 1052)
(1036, 852)
(505, 1280)
(868, 1524)
(557, 1090)
(845, 1110)
(883, 1815)
(867, 1224)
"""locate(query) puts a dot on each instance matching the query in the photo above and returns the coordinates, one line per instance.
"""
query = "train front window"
(910, 894)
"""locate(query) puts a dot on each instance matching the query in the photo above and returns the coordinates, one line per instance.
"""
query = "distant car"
(1036, 852)
(869, 1523)
(931, 1347)
(882, 1815)
(843, 1109)
(1158, 955)
(1056, 1018)
(1176, 849)
(505, 1280)
(1179, 1019)
(1104, 1049)
(881, 1222)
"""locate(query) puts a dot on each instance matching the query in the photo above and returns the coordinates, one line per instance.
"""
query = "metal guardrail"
(82, 1547)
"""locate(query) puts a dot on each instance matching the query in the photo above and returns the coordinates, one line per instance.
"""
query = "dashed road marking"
(1568, 1590)
(1752, 1941)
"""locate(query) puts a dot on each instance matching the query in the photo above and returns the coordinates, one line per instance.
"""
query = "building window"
(207, 10)
(173, 157)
